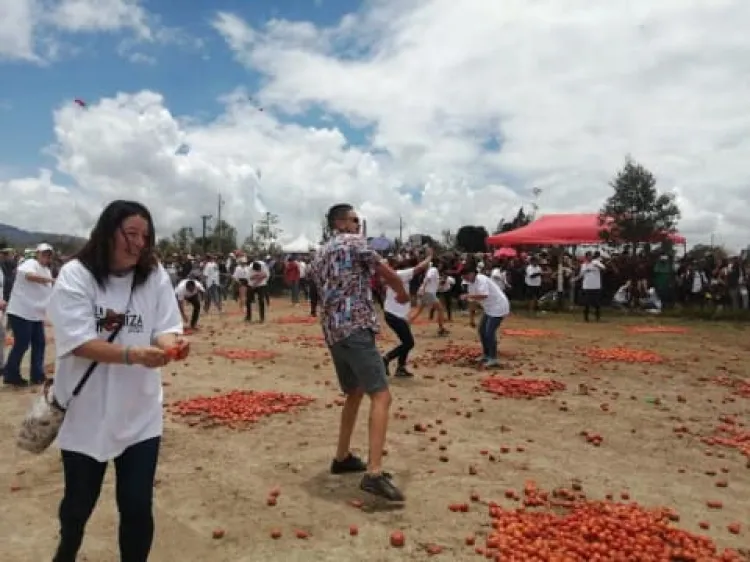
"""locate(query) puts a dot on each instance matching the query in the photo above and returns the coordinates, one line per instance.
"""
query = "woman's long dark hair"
(96, 255)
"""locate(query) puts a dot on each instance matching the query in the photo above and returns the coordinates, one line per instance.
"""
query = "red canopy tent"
(558, 230)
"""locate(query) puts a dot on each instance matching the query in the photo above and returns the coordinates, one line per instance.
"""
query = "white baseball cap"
(44, 247)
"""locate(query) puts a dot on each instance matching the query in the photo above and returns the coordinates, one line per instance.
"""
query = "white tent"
(300, 245)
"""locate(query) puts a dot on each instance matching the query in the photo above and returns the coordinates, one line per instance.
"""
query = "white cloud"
(124, 147)
(100, 15)
(39, 30)
(569, 88)
(17, 22)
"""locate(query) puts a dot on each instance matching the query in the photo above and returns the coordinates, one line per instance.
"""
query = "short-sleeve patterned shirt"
(341, 272)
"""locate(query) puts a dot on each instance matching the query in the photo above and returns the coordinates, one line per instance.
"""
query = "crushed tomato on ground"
(574, 529)
(237, 408)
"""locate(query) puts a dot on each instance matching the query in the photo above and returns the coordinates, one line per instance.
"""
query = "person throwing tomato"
(341, 271)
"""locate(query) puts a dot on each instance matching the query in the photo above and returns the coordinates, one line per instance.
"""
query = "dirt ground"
(219, 478)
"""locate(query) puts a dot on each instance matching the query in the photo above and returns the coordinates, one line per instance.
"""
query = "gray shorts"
(358, 363)
(428, 299)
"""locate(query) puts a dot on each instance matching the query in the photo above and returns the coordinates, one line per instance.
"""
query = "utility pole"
(204, 240)
(400, 230)
(220, 225)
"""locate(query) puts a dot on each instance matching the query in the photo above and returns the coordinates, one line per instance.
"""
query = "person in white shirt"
(26, 311)
(190, 290)
(533, 282)
(257, 288)
(621, 299)
(445, 293)
(113, 306)
(500, 277)
(652, 303)
(495, 305)
(591, 285)
(3, 305)
(242, 276)
(212, 277)
(429, 300)
(397, 314)
(304, 283)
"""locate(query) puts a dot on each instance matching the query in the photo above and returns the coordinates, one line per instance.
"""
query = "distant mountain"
(19, 238)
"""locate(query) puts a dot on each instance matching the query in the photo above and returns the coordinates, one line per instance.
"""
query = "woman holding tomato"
(113, 306)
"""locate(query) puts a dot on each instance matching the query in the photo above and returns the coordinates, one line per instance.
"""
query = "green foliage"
(447, 238)
(702, 251)
(637, 211)
(267, 232)
(224, 237)
(521, 219)
(166, 247)
(325, 232)
(184, 240)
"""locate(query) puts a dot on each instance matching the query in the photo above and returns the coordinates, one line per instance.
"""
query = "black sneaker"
(443, 332)
(381, 485)
(20, 383)
(349, 465)
(404, 373)
(387, 367)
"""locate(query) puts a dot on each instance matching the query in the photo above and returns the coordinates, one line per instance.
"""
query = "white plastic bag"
(42, 422)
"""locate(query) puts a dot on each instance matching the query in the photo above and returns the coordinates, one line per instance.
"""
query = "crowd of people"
(648, 281)
(118, 308)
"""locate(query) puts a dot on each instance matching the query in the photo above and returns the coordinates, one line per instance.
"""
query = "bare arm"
(391, 279)
(38, 279)
(424, 264)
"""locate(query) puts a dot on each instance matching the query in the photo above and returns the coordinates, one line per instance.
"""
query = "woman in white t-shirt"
(397, 317)
(114, 283)
(26, 313)
(495, 305)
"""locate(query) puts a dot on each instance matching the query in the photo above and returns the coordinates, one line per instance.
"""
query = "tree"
(701, 251)
(521, 219)
(448, 238)
(325, 232)
(472, 239)
(636, 212)
(251, 245)
(267, 232)
(224, 236)
(166, 247)
(184, 239)
(4, 243)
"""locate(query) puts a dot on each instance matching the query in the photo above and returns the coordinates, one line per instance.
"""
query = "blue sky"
(444, 120)
(191, 79)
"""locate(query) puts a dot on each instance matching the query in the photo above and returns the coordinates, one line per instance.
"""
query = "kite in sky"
(182, 150)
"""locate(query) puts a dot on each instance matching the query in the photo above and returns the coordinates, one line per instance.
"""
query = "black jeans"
(195, 302)
(447, 299)
(313, 299)
(135, 471)
(403, 331)
(261, 293)
(592, 299)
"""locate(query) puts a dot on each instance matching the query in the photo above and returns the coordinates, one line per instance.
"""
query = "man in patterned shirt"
(341, 271)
